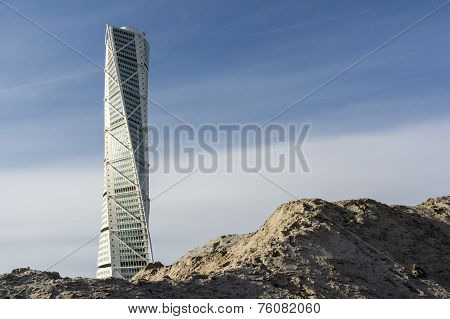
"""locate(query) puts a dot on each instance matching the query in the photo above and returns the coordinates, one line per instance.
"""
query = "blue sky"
(240, 61)
(227, 62)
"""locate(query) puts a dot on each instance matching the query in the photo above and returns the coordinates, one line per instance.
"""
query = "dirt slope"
(353, 248)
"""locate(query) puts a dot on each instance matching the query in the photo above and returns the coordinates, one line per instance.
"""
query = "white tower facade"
(124, 245)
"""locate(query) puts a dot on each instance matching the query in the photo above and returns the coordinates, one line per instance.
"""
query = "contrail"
(314, 21)
(44, 82)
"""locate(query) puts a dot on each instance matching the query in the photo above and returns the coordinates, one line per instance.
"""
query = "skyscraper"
(124, 245)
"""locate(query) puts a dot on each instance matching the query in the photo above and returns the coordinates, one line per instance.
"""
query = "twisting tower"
(124, 246)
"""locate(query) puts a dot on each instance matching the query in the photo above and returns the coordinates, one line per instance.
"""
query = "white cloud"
(49, 211)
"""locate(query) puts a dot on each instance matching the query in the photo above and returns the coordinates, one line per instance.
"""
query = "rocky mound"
(28, 283)
(313, 248)
(307, 248)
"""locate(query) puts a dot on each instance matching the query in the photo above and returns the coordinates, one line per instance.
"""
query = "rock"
(418, 272)
(152, 267)
(308, 248)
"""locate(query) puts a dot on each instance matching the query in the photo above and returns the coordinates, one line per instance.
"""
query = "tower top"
(128, 28)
